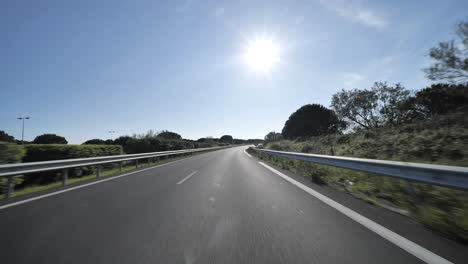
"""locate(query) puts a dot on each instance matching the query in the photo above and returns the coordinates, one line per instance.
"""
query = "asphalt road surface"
(218, 207)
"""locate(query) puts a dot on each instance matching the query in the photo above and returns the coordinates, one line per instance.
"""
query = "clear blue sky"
(82, 68)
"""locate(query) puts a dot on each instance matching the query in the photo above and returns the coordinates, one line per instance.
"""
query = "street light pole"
(22, 131)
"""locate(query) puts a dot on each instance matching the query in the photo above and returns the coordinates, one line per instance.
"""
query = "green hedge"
(153, 144)
(44, 152)
(10, 153)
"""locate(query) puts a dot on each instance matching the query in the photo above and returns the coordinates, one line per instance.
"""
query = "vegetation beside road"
(390, 122)
(45, 152)
(441, 209)
(53, 147)
(128, 167)
(440, 140)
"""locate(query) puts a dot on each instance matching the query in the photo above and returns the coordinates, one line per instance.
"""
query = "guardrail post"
(136, 164)
(11, 187)
(121, 166)
(98, 171)
(64, 176)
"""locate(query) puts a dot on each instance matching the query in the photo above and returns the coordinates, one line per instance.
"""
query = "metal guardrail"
(447, 176)
(10, 170)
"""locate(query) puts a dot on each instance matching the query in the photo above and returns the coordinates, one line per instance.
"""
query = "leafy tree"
(389, 99)
(169, 135)
(5, 137)
(141, 145)
(311, 120)
(206, 142)
(239, 141)
(441, 99)
(95, 141)
(254, 141)
(50, 139)
(410, 110)
(226, 139)
(357, 107)
(122, 140)
(207, 139)
(451, 57)
(150, 134)
(371, 108)
(273, 136)
(438, 99)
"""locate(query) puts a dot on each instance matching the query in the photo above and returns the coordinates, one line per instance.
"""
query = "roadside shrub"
(226, 139)
(10, 153)
(307, 148)
(275, 146)
(50, 139)
(311, 120)
(204, 145)
(273, 136)
(439, 99)
(435, 219)
(95, 141)
(154, 144)
(440, 140)
(45, 152)
(4, 137)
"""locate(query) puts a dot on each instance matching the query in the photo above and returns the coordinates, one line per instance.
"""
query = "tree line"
(139, 143)
(385, 105)
(41, 139)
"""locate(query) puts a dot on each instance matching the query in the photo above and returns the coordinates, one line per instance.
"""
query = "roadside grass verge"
(128, 167)
(441, 141)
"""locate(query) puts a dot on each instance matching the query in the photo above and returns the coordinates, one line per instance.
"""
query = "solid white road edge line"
(407, 245)
(187, 177)
(82, 186)
(247, 154)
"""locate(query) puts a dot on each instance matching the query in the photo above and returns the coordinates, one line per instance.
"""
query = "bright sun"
(262, 54)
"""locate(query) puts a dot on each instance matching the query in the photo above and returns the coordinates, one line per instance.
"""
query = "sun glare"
(262, 54)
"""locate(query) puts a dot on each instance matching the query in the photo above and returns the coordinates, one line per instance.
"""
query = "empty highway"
(218, 207)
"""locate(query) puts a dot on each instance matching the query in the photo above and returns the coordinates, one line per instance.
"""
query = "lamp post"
(22, 131)
(111, 132)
